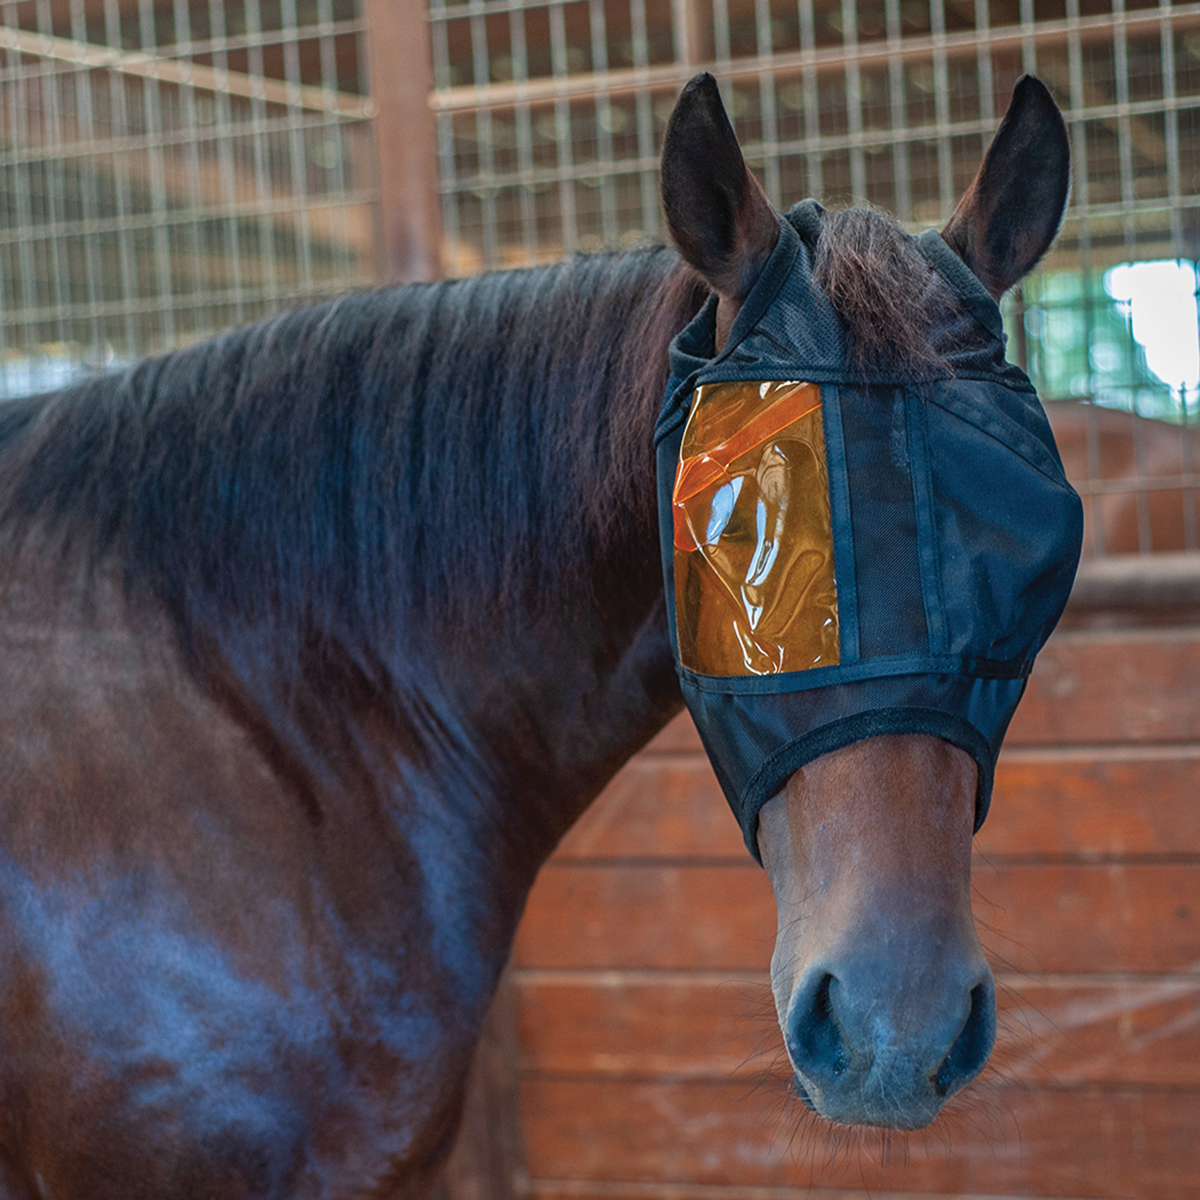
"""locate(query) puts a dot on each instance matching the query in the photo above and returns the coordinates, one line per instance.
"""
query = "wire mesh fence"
(549, 112)
(169, 167)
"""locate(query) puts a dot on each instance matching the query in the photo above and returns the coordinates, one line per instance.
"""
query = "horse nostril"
(973, 1045)
(816, 1041)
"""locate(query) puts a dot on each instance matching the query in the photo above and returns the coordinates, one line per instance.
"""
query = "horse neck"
(571, 671)
(407, 538)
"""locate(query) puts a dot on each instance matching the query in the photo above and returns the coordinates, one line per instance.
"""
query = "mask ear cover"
(848, 556)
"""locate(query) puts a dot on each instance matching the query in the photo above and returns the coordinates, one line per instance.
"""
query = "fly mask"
(853, 553)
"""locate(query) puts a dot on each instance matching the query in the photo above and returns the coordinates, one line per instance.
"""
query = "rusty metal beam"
(185, 73)
(410, 216)
(1162, 579)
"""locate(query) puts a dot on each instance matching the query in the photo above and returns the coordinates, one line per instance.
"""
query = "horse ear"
(1010, 214)
(717, 212)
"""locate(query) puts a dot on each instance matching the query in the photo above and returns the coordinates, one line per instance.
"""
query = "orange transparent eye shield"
(755, 592)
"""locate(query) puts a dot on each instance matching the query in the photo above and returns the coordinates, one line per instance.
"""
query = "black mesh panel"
(891, 612)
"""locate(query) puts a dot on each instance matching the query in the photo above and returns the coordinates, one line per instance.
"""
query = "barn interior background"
(169, 168)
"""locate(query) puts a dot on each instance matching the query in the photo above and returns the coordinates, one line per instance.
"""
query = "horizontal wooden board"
(1100, 802)
(1118, 686)
(690, 918)
(1144, 1032)
(676, 1023)
(658, 806)
(1115, 917)
(577, 1189)
(1038, 918)
(1141, 1032)
(1088, 687)
(1118, 1144)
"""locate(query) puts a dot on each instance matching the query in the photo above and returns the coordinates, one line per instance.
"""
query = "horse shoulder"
(243, 1002)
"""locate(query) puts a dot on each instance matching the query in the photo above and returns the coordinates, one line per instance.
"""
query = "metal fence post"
(410, 219)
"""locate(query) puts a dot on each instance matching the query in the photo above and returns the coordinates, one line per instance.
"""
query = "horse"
(319, 634)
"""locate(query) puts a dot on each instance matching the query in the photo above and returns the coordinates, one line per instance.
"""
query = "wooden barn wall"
(649, 1061)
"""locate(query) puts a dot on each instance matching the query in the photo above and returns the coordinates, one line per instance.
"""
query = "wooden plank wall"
(651, 1066)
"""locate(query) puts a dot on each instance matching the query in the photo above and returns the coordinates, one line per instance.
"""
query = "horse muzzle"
(886, 1002)
(865, 1053)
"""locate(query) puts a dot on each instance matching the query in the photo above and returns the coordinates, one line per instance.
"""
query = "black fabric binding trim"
(774, 773)
(876, 666)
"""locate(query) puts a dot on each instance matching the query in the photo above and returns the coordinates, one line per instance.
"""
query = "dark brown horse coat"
(288, 725)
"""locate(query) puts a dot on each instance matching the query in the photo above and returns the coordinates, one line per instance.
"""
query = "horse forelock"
(884, 291)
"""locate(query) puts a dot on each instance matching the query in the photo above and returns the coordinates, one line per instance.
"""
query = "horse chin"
(869, 1102)
(907, 1122)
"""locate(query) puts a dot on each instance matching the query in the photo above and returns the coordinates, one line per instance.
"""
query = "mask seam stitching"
(928, 556)
(844, 564)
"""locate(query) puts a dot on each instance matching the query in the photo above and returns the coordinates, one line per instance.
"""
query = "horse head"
(954, 555)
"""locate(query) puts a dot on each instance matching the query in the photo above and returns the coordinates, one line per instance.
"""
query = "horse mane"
(884, 291)
(496, 429)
